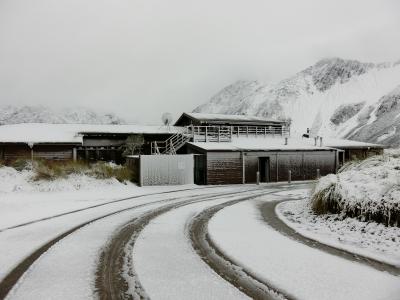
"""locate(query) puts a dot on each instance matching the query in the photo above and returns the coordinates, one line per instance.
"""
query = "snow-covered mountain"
(40, 114)
(334, 97)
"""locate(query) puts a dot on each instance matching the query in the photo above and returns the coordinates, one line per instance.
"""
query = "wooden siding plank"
(224, 168)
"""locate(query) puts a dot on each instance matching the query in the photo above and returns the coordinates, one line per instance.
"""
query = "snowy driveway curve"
(208, 243)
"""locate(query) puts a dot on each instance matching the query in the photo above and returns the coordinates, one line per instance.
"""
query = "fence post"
(258, 178)
(74, 154)
(290, 176)
(318, 174)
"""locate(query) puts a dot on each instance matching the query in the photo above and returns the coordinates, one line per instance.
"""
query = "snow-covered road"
(27, 242)
(144, 246)
(290, 266)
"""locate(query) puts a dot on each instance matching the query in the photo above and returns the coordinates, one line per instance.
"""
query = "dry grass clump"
(19, 164)
(51, 170)
(323, 200)
(103, 170)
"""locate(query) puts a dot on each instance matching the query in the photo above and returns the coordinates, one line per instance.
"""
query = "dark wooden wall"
(53, 152)
(117, 140)
(352, 154)
(224, 168)
(227, 167)
(13, 152)
(302, 164)
(16, 151)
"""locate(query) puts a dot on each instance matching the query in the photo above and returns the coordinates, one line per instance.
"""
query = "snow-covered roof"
(261, 143)
(228, 118)
(42, 133)
(348, 144)
(278, 144)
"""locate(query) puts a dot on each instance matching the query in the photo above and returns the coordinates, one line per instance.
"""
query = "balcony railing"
(214, 134)
(226, 133)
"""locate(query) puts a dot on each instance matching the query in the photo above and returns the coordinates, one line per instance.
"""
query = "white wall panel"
(166, 169)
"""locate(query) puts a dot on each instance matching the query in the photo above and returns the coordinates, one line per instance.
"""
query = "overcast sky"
(140, 58)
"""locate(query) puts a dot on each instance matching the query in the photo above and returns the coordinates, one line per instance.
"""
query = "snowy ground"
(164, 260)
(17, 243)
(23, 200)
(366, 238)
(295, 268)
(169, 268)
(22, 207)
(75, 279)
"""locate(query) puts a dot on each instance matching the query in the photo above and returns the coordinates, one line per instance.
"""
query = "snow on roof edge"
(45, 133)
(221, 117)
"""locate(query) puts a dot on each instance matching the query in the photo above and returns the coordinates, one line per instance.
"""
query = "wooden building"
(233, 149)
(52, 151)
(227, 149)
(74, 141)
(239, 162)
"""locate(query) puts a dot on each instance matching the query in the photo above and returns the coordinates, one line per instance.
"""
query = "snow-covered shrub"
(368, 190)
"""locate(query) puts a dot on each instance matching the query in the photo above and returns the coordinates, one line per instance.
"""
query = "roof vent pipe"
(320, 141)
(286, 141)
(315, 141)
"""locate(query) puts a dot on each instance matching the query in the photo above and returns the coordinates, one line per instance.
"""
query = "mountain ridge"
(334, 97)
(10, 114)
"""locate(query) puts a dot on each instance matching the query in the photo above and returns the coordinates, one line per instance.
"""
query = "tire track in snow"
(271, 218)
(117, 256)
(100, 205)
(237, 275)
(12, 277)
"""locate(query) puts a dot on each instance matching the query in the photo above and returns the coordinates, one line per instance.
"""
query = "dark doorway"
(263, 167)
(200, 169)
(341, 159)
